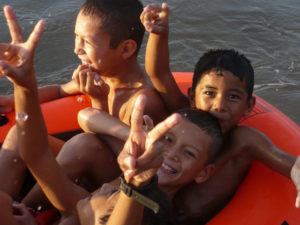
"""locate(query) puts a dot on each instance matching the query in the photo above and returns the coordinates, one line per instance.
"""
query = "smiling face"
(185, 147)
(224, 96)
(92, 45)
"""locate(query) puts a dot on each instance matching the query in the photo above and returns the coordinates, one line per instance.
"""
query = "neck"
(170, 191)
(127, 72)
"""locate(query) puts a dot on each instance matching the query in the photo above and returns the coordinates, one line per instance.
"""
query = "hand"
(142, 154)
(155, 19)
(23, 217)
(6, 103)
(16, 58)
(295, 176)
(90, 83)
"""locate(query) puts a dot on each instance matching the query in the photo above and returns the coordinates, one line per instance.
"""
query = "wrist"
(141, 193)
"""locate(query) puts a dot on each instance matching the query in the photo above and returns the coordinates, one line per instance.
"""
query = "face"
(225, 96)
(185, 147)
(92, 46)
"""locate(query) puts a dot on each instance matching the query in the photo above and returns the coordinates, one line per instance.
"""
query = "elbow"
(84, 118)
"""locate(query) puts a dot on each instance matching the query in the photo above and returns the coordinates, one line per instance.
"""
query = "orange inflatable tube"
(264, 198)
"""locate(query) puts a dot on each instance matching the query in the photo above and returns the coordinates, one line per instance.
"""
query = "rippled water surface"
(267, 32)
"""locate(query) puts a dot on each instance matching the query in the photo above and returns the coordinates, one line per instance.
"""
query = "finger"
(165, 8)
(36, 34)
(297, 203)
(137, 114)
(82, 80)
(98, 81)
(7, 51)
(6, 70)
(148, 122)
(160, 129)
(90, 80)
(150, 160)
(13, 26)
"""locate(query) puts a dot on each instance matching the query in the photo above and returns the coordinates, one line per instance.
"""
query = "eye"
(209, 93)
(189, 153)
(168, 139)
(234, 97)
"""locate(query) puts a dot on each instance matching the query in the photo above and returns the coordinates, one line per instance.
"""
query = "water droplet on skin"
(77, 180)
(23, 133)
(79, 99)
(39, 208)
(21, 117)
(15, 160)
(99, 61)
(183, 132)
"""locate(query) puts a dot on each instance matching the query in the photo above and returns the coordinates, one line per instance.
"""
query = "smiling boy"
(181, 158)
(222, 85)
(108, 37)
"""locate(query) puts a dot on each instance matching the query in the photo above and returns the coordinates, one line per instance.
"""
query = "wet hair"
(119, 18)
(224, 59)
(210, 125)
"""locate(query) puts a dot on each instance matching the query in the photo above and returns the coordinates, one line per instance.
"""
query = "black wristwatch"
(139, 194)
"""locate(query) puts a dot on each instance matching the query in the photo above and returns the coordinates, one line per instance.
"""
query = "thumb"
(7, 70)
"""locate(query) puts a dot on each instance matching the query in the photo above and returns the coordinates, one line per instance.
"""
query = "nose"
(173, 154)
(219, 104)
(78, 50)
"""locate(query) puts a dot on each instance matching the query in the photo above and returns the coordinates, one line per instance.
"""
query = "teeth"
(168, 169)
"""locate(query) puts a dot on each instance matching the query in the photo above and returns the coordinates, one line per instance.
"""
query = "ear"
(250, 105)
(205, 173)
(191, 95)
(127, 48)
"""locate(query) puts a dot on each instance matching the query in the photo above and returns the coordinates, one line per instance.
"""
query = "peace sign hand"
(16, 58)
(142, 154)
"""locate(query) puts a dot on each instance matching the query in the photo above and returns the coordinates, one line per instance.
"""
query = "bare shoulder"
(154, 107)
(247, 140)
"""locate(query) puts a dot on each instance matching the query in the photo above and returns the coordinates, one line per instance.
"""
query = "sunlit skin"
(92, 46)
(185, 149)
(223, 95)
(185, 156)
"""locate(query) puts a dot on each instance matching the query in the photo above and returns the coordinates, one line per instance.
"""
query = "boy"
(108, 37)
(179, 158)
(222, 85)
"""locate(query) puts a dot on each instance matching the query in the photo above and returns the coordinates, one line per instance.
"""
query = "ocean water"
(267, 32)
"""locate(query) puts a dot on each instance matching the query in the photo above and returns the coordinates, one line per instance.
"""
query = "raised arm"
(139, 160)
(46, 93)
(155, 20)
(16, 62)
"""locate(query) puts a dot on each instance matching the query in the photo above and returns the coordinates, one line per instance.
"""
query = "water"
(267, 32)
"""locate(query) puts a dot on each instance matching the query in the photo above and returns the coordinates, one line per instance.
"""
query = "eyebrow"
(231, 89)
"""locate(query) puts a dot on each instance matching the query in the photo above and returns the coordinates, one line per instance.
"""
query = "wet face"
(185, 147)
(225, 96)
(92, 45)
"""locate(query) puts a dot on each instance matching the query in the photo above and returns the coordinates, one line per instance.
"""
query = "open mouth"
(167, 169)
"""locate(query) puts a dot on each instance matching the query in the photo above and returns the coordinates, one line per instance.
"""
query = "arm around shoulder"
(260, 147)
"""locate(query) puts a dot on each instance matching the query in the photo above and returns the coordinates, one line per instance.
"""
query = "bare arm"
(139, 161)
(16, 62)
(97, 121)
(155, 20)
(259, 147)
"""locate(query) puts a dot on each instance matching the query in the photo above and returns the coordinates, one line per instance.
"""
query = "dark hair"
(210, 125)
(120, 19)
(223, 59)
